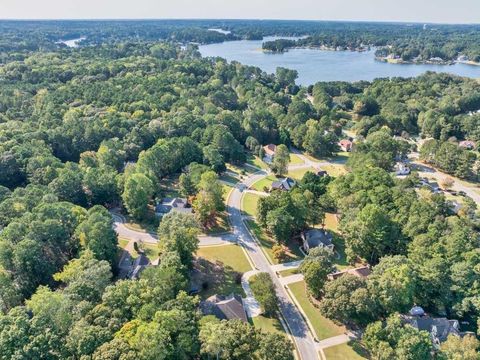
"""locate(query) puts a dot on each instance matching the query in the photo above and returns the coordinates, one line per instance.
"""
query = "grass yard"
(266, 242)
(331, 222)
(322, 327)
(229, 178)
(234, 262)
(226, 191)
(151, 250)
(295, 160)
(340, 261)
(256, 161)
(289, 272)
(222, 225)
(264, 183)
(335, 170)
(230, 255)
(249, 203)
(297, 174)
(343, 352)
(268, 325)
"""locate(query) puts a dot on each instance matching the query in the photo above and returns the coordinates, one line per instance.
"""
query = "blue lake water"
(320, 65)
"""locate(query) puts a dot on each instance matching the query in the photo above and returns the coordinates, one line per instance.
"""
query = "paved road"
(148, 238)
(296, 323)
(430, 172)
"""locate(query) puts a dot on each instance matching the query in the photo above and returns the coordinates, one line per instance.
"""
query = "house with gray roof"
(139, 264)
(173, 204)
(225, 307)
(286, 184)
(438, 328)
(317, 238)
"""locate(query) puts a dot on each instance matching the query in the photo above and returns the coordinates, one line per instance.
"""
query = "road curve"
(148, 238)
(298, 327)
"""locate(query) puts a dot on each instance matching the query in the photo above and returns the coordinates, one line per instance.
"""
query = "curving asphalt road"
(298, 327)
(205, 240)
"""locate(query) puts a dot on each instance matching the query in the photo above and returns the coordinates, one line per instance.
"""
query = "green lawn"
(322, 327)
(289, 272)
(256, 161)
(264, 184)
(234, 263)
(297, 174)
(230, 255)
(266, 242)
(226, 191)
(151, 250)
(295, 160)
(343, 352)
(335, 170)
(331, 222)
(222, 225)
(249, 203)
(229, 178)
(340, 260)
(268, 325)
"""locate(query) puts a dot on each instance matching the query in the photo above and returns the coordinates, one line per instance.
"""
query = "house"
(361, 272)
(316, 238)
(438, 328)
(285, 184)
(139, 264)
(321, 173)
(269, 151)
(401, 169)
(225, 307)
(345, 145)
(172, 204)
(467, 144)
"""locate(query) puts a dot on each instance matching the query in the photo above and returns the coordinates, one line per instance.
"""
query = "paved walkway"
(252, 307)
(334, 341)
(291, 279)
(287, 266)
(261, 193)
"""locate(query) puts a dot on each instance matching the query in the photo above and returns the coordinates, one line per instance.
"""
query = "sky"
(439, 11)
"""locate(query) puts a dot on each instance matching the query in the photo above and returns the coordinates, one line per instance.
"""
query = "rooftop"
(225, 307)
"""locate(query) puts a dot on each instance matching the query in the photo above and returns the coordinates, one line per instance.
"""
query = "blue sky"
(451, 11)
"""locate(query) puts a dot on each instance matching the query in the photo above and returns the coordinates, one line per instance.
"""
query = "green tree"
(281, 160)
(315, 269)
(231, 339)
(96, 233)
(179, 232)
(138, 192)
(275, 347)
(264, 291)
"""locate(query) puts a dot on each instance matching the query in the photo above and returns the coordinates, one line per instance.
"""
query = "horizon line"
(240, 19)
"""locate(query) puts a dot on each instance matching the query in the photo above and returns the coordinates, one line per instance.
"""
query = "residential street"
(296, 323)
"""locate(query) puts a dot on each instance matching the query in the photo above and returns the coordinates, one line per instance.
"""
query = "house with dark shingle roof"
(438, 328)
(225, 307)
(139, 264)
(317, 238)
(172, 204)
(285, 184)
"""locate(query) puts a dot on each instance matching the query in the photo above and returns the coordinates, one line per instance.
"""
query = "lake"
(73, 43)
(321, 65)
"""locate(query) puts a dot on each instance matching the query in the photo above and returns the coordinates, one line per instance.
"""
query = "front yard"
(249, 203)
(343, 352)
(265, 183)
(223, 271)
(268, 325)
(297, 174)
(322, 327)
(266, 243)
